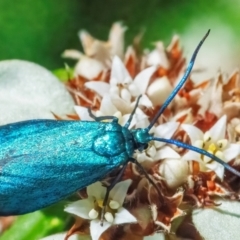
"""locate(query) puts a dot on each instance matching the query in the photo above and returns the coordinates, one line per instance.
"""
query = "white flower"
(158, 56)
(159, 90)
(90, 208)
(155, 236)
(61, 236)
(116, 39)
(174, 172)
(108, 108)
(159, 150)
(97, 54)
(123, 86)
(87, 67)
(104, 50)
(214, 142)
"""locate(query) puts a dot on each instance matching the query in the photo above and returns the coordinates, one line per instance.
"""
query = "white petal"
(123, 106)
(124, 216)
(125, 95)
(142, 157)
(231, 152)
(193, 132)
(156, 236)
(143, 78)
(101, 88)
(86, 39)
(125, 118)
(133, 89)
(158, 56)
(217, 168)
(61, 236)
(174, 172)
(73, 54)
(119, 191)
(88, 68)
(218, 131)
(107, 107)
(80, 208)
(166, 152)
(96, 190)
(119, 73)
(140, 114)
(96, 229)
(145, 101)
(82, 112)
(166, 130)
(100, 52)
(114, 90)
(116, 38)
(159, 90)
(192, 156)
(143, 123)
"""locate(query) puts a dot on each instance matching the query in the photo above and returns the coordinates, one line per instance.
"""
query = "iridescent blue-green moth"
(44, 161)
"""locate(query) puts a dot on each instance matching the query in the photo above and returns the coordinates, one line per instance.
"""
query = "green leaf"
(63, 74)
(33, 226)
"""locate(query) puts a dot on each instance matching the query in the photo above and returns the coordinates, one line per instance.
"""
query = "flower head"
(159, 150)
(214, 142)
(91, 207)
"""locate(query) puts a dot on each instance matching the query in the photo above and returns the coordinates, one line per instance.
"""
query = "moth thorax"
(141, 135)
(109, 144)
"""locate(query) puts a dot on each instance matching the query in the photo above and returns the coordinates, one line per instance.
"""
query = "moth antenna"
(127, 124)
(180, 84)
(198, 150)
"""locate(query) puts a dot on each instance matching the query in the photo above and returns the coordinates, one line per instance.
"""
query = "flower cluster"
(204, 114)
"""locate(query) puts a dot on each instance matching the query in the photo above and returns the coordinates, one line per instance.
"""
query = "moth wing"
(41, 163)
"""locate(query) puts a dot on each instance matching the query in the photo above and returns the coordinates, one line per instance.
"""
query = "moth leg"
(133, 160)
(102, 118)
(109, 188)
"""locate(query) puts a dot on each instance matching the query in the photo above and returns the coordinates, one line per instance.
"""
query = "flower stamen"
(114, 204)
(93, 214)
(109, 217)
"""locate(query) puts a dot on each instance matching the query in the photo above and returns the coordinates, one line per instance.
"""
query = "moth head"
(141, 138)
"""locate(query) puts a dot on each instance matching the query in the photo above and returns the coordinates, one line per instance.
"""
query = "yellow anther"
(207, 137)
(212, 148)
(222, 143)
(100, 203)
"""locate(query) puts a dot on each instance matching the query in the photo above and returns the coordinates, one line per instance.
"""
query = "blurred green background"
(41, 30)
